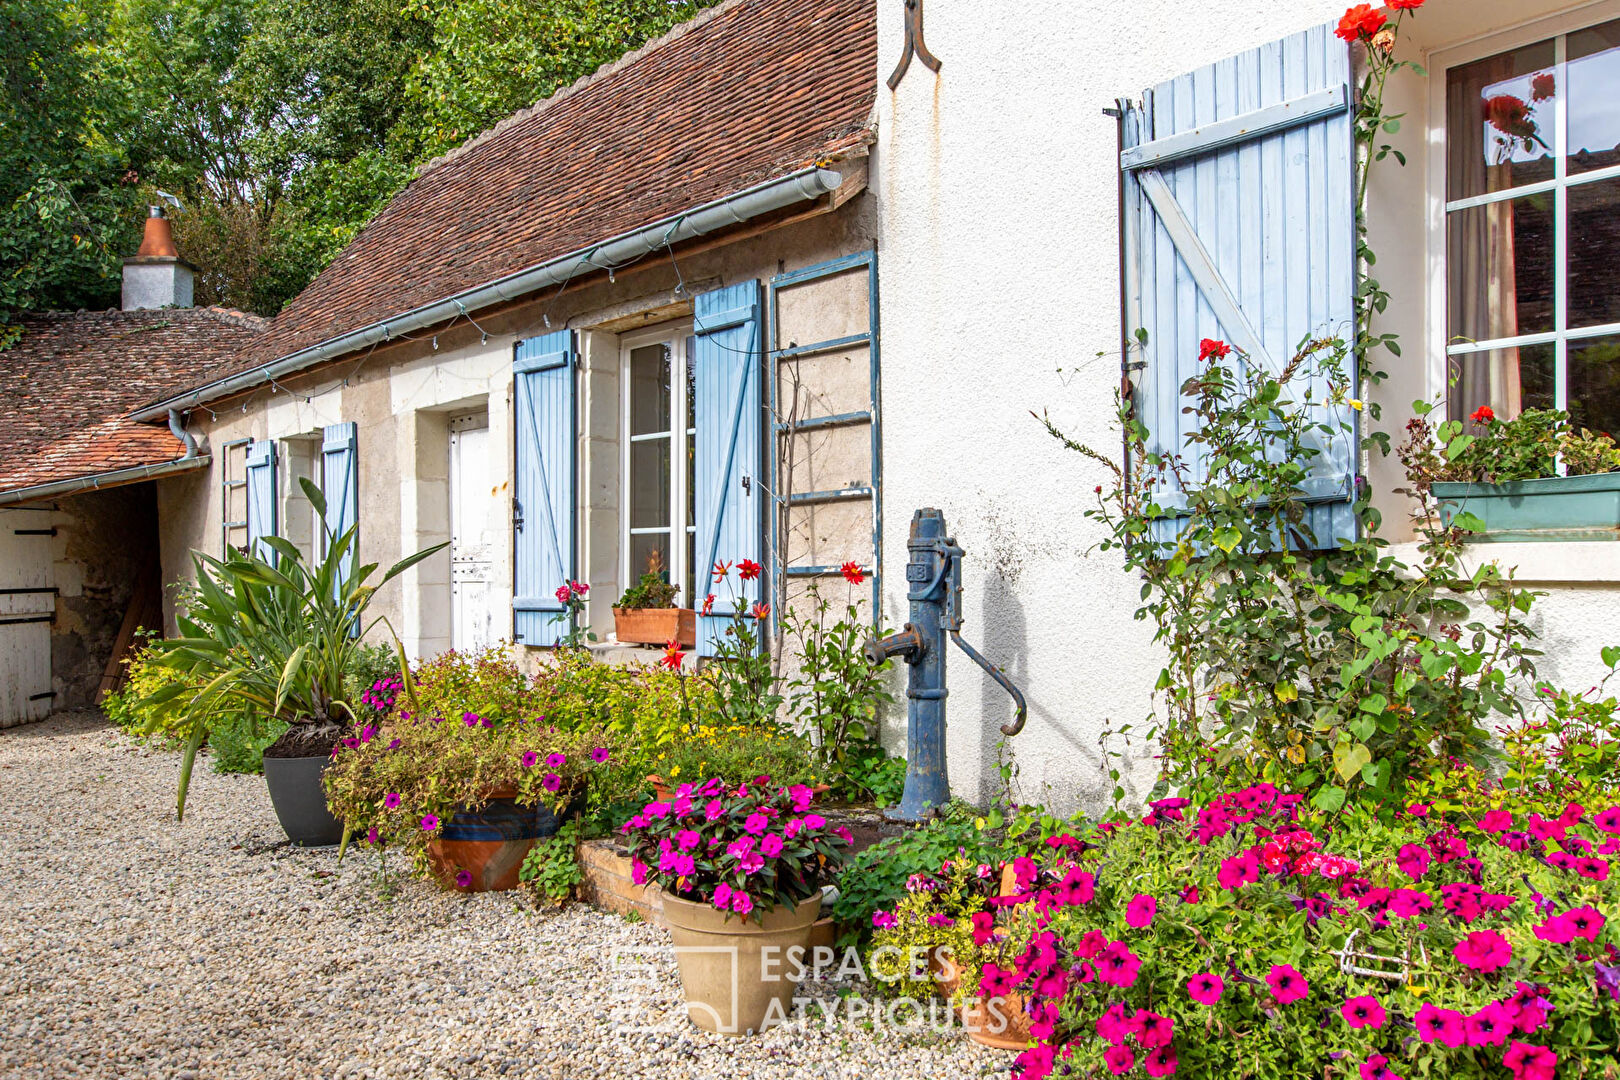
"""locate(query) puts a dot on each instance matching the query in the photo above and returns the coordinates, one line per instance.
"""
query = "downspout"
(177, 427)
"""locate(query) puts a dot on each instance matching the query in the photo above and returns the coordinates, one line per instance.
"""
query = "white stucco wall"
(997, 181)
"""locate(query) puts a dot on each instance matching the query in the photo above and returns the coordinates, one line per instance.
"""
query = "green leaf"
(1329, 800)
(1227, 539)
(1374, 703)
(1468, 522)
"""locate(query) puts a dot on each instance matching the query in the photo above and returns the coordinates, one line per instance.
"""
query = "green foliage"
(1490, 450)
(898, 954)
(876, 877)
(238, 741)
(736, 753)
(276, 641)
(835, 692)
(490, 58)
(67, 211)
(487, 683)
(651, 592)
(124, 707)
(552, 865)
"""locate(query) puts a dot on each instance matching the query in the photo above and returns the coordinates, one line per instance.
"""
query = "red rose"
(1510, 116)
(1361, 21)
(1209, 349)
(1543, 86)
(1483, 415)
(1405, 5)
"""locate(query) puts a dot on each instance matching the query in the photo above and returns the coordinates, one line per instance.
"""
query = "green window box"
(1552, 508)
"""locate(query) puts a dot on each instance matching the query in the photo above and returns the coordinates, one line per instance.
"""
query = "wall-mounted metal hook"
(915, 45)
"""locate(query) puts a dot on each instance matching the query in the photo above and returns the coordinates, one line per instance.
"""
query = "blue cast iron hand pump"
(934, 573)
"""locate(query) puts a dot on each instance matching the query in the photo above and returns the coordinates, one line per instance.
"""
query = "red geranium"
(1361, 22)
(1483, 415)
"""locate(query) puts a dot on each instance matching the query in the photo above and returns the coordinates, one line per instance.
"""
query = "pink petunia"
(1377, 1068)
(1151, 1029)
(1119, 1058)
(1238, 871)
(883, 920)
(1446, 1026)
(391, 801)
(1117, 965)
(1363, 1012)
(1140, 911)
(1490, 1026)
(429, 823)
(1483, 950)
(1609, 820)
(1497, 821)
(1287, 985)
(1161, 1062)
(1413, 860)
(1113, 1026)
(1206, 989)
(1528, 1062)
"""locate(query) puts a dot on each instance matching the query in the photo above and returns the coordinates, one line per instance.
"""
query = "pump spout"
(908, 643)
(1005, 683)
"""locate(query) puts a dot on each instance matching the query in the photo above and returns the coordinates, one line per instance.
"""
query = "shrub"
(126, 707)
(397, 787)
(488, 682)
(1242, 938)
(552, 865)
(651, 592)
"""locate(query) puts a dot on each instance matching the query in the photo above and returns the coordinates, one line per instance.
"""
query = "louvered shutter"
(340, 484)
(543, 495)
(261, 497)
(730, 448)
(1240, 226)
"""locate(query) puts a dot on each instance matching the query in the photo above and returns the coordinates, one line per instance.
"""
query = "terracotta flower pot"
(1001, 1023)
(655, 626)
(489, 845)
(728, 990)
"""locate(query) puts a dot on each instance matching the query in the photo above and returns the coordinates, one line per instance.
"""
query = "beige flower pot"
(731, 980)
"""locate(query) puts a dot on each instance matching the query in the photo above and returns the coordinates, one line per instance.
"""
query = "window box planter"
(1552, 508)
(655, 626)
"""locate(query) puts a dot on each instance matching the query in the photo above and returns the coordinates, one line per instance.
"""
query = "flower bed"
(1239, 939)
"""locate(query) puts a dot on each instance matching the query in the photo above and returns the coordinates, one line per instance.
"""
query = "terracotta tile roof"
(67, 384)
(746, 92)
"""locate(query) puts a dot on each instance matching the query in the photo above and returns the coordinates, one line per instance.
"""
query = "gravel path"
(133, 946)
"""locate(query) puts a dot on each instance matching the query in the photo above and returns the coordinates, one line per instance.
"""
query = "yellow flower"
(979, 823)
(676, 771)
(1357, 404)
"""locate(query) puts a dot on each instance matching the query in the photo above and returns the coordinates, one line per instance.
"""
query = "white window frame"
(306, 447)
(1438, 65)
(674, 335)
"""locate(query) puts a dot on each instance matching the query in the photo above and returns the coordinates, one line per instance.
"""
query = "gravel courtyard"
(133, 946)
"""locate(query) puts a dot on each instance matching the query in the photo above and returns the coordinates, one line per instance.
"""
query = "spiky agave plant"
(270, 639)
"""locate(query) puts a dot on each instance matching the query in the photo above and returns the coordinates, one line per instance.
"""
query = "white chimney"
(157, 277)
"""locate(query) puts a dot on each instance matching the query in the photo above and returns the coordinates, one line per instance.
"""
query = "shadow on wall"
(1058, 769)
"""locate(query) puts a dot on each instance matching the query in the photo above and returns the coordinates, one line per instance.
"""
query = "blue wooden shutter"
(543, 496)
(730, 449)
(261, 497)
(1240, 226)
(340, 484)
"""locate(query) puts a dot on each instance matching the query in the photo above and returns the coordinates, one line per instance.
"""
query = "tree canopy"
(282, 126)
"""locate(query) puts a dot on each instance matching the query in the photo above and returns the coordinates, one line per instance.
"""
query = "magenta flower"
(1609, 820)
(1206, 989)
(638, 871)
(1530, 1062)
(600, 755)
(771, 846)
(1077, 887)
(1496, 821)
(1151, 1029)
(1413, 860)
(1119, 1059)
(687, 839)
(1445, 1026)
(1363, 1012)
(883, 920)
(1377, 1068)
(996, 981)
(551, 781)
(714, 809)
(429, 823)
(940, 919)
(1490, 1026)
(814, 821)
(751, 863)
(1161, 1062)
(529, 760)
(373, 836)
(756, 823)
(1140, 911)
(1287, 985)
(1483, 950)
(463, 879)
(1113, 1026)
(1239, 871)
(1117, 965)
(556, 761)
(1409, 903)
(722, 897)
(741, 902)
(391, 801)
(394, 744)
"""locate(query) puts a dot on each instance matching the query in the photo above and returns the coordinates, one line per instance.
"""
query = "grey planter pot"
(300, 801)
(1552, 508)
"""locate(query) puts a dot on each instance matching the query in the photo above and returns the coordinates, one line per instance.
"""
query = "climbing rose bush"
(1240, 939)
(745, 850)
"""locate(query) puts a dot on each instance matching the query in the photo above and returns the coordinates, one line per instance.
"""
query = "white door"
(474, 511)
(27, 606)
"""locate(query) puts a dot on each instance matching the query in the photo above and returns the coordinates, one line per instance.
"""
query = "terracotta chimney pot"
(159, 237)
